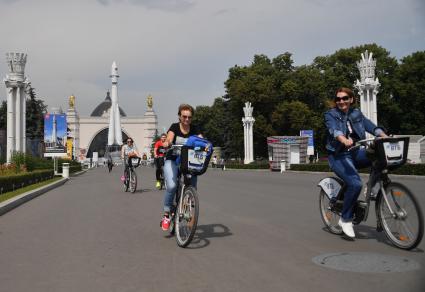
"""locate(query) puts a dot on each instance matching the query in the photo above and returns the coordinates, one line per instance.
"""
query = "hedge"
(12, 182)
(72, 168)
(247, 166)
(406, 169)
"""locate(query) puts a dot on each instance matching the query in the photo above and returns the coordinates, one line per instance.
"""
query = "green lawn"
(8, 195)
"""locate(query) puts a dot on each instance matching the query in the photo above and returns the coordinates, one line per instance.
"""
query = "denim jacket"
(336, 124)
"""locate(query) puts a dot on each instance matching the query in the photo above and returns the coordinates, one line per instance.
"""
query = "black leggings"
(159, 163)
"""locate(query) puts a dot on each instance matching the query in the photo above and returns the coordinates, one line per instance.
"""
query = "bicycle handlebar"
(364, 142)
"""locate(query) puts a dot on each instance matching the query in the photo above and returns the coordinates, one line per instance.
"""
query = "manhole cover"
(364, 262)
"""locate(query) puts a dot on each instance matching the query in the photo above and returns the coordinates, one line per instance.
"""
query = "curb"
(14, 202)
(78, 173)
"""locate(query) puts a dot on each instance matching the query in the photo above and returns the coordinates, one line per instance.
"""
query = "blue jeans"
(171, 170)
(345, 166)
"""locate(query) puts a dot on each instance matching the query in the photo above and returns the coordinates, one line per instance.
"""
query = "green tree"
(340, 69)
(3, 115)
(288, 98)
(35, 110)
(292, 116)
(410, 93)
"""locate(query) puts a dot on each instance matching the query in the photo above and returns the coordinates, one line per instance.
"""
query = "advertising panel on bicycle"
(196, 159)
(394, 149)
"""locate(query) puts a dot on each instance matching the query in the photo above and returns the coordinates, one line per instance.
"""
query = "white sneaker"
(347, 228)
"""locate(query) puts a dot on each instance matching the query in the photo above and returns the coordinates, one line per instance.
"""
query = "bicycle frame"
(377, 175)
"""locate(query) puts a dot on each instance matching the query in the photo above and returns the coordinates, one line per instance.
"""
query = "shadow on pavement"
(205, 232)
(368, 232)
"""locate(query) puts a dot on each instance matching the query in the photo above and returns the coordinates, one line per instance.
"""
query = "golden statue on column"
(149, 101)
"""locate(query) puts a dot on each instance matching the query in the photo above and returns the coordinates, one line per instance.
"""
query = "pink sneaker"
(165, 223)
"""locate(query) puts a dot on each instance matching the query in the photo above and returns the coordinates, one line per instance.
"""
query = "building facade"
(90, 133)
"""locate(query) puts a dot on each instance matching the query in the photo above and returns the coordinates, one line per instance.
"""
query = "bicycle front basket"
(135, 161)
(392, 152)
(194, 162)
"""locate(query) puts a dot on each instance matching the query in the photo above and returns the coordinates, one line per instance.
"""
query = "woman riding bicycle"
(178, 133)
(159, 153)
(128, 151)
(346, 125)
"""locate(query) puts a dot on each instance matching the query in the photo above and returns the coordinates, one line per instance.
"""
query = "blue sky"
(181, 50)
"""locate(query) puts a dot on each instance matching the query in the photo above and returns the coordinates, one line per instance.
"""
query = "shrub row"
(407, 169)
(247, 166)
(72, 168)
(48, 164)
(13, 182)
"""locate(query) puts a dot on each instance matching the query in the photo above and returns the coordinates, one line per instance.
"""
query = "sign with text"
(310, 143)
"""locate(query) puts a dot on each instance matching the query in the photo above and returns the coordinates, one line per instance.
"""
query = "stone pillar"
(16, 84)
(11, 144)
(248, 122)
(151, 126)
(73, 121)
(368, 86)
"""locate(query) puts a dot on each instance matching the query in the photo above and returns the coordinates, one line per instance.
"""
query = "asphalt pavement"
(258, 231)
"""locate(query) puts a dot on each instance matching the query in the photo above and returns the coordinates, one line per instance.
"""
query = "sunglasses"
(344, 98)
(129, 141)
(187, 117)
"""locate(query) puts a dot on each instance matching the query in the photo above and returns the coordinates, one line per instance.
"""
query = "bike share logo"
(329, 186)
(393, 147)
(199, 155)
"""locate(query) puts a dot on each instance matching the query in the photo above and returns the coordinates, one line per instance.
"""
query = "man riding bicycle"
(128, 151)
(159, 153)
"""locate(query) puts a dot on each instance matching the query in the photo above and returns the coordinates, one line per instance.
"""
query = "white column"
(375, 107)
(15, 82)
(10, 124)
(367, 102)
(368, 86)
(245, 141)
(24, 121)
(251, 142)
(18, 125)
(248, 122)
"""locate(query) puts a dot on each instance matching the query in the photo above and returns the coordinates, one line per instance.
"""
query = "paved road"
(258, 232)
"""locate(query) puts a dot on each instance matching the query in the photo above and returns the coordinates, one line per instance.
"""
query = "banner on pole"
(55, 135)
(310, 143)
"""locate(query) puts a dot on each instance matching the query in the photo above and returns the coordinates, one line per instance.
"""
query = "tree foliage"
(35, 110)
(3, 115)
(287, 99)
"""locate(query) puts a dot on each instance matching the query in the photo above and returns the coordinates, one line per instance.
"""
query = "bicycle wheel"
(133, 181)
(405, 227)
(126, 181)
(329, 217)
(187, 216)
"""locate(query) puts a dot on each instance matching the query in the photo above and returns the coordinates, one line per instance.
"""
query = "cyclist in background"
(159, 153)
(127, 151)
(346, 125)
(178, 133)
